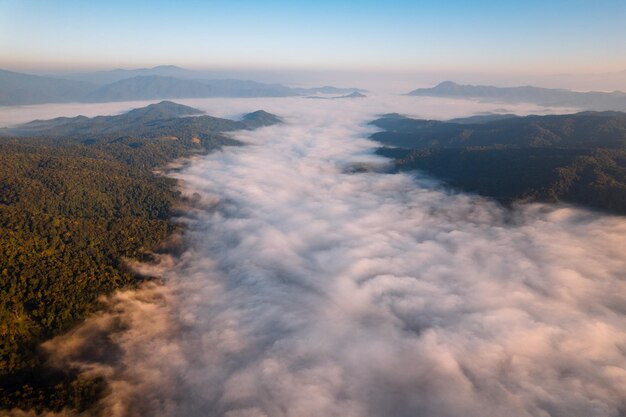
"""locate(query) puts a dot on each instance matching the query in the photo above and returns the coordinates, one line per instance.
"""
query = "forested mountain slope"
(578, 158)
(74, 203)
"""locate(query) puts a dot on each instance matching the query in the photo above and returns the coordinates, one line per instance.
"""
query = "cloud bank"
(309, 291)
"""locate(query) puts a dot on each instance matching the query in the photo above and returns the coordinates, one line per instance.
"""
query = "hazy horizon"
(301, 43)
(398, 82)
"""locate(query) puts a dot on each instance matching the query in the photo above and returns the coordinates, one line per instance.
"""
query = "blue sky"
(489, 36)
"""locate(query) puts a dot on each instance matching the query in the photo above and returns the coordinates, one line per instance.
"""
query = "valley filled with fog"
(301, 286)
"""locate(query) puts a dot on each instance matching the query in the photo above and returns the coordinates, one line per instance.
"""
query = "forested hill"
(162, 119)
(77, 196)
(574, 131)
(577, 158)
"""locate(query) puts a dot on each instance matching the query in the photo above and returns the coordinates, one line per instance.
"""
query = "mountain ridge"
(162, 82)
(555, 97)
(165, 118)
(19, 89)
(577, 158)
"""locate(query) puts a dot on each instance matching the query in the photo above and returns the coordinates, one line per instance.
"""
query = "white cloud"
(307, 291)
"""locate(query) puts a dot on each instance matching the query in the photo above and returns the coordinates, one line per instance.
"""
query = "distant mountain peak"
(258, 113)
(550, 97)
(392, 116)
(170, 105)
(447, 84)
(165, 118)
(163, 110)
(262, 117)
(167, 67)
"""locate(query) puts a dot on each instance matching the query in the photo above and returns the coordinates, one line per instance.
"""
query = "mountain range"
(574, 131)
(576, 158)
(164, 119)
(592, 100)
(355, 94)
(141, 84)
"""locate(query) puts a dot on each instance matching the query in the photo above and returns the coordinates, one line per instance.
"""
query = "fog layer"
(307, 290)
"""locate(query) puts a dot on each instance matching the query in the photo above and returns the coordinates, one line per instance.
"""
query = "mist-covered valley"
(301, 286)
(303, 209)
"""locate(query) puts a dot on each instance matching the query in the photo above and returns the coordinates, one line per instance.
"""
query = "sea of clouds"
(309, 290)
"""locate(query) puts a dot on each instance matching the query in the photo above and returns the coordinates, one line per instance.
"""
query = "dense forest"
(72, 208)
(579, 158)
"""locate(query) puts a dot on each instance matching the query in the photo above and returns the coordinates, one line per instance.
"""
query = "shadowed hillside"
(578, 158)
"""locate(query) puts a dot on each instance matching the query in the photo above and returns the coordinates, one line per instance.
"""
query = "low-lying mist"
(306, 290)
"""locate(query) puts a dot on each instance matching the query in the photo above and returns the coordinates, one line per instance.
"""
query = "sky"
(531, 37)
